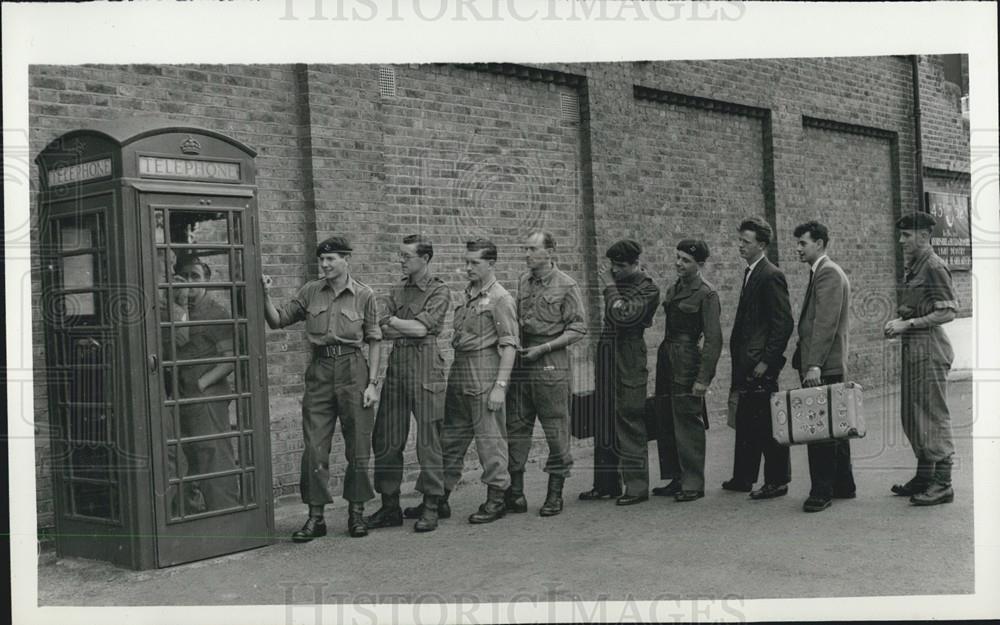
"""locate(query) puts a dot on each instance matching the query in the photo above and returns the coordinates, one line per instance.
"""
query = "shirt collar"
(756, 262)
(422, 283)
(688, 287)
(350, 286)
(919, 260)
(546, 277)
(469, 295)
(815, 265)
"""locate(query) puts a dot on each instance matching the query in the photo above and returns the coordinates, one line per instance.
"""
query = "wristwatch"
(501, 384)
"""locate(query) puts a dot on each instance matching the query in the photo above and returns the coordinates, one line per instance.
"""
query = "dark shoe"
(356, 520)
(910, 488)
(314, 528)
(494, 508)
(935, 494)
(594, 494)
(940, 490)
(514, 496)
(815, 504)
(670, 490)
(631, 500)
(919, 482)
(739, 487)
(553, 497)
(389, 515)
(844, 495)
(769, 491)
(689, 495)
(428, 520)
(444, 509)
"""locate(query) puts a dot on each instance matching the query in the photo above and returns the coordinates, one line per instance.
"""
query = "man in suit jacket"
(760, 334)
(820, 358)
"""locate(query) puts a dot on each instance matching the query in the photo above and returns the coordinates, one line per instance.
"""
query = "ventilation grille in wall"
(569, 107)
(387, 81)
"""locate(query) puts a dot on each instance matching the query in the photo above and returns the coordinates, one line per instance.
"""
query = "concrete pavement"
(722, 545)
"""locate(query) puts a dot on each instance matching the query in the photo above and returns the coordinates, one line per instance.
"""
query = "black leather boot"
(356, 520)
(315, 527)
(919, 482)
(553, 497)
(514, 497)
(444, 509)
(493, 509)
(389, 515)
(939, 491)
(428, 520)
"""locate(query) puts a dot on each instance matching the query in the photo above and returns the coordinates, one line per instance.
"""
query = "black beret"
(624, 251)
(695, 247)
(334, 245)
(916, 221)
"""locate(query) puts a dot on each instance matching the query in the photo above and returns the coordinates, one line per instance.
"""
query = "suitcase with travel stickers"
(818, 413)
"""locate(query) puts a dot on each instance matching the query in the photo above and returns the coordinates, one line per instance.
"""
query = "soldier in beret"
(926, 301)
(684, 371)
(340, 316)
(630, 301)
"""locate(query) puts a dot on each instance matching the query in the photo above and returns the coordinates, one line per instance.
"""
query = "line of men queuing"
(511, 367)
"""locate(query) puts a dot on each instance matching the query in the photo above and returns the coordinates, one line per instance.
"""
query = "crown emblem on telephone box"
(191, 146)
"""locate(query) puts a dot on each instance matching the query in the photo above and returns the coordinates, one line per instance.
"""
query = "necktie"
(739, 306)
(809, 290)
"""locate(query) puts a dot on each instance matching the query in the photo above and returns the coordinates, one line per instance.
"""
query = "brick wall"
(462, 151)
(946, 148)
(254, 104)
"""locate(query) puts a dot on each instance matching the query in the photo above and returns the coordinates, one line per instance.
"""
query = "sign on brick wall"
(951, 237)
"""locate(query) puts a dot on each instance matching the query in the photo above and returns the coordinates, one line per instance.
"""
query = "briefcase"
(818, 413)
(582, 414)
(584, 418)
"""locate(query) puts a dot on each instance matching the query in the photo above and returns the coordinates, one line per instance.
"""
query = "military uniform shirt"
(693, 309)
(549, 305)
(426, 301)
(927, 287)
(485, 319)
(630, 304)
(347, 317)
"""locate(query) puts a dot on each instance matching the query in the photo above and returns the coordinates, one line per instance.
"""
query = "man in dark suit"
(761, 331)
(820, 358)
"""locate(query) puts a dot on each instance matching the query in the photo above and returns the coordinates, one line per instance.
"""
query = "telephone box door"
(211, 464)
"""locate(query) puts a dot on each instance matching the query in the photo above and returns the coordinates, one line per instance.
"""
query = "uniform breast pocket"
(550, 307)
(316, 320)
(350, 324)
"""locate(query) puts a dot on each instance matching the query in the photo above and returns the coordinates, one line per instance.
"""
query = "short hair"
(191, 259)
(489, 250)
(333, 245)
(548, 241)
(424, 247)
(816, 230)
(760, 228)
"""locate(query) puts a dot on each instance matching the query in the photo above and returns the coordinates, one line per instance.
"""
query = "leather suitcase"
(818, 413)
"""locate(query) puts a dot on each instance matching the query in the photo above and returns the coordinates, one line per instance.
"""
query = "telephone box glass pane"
(237, 227)
(198, 226)
(93, 500)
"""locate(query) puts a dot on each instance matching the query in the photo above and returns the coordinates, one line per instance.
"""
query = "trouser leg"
(357, 423)
(689, 437)
(392, 428)
(318, 418)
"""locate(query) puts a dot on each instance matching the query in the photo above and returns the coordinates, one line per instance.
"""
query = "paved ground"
(722, 545)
